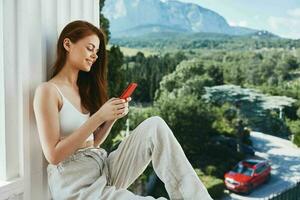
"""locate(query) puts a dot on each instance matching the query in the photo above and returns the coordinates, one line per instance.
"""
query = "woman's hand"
(127, 105)
(110, 115)
(113, 109)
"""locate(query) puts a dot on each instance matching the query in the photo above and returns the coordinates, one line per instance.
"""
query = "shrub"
(215, 186)
(210, 170)
(294, 127)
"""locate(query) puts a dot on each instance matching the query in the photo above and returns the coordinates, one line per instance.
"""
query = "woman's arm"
(46, 111)
(104, 129)
(102, 132)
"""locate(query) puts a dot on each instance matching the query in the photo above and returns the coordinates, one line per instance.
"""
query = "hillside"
(171, 40)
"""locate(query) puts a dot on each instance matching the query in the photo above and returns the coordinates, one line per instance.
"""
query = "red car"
(248, 174)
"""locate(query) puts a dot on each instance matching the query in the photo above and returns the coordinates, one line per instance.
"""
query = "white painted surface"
(28, 34)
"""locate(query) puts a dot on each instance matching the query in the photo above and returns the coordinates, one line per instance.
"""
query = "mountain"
(138, 17)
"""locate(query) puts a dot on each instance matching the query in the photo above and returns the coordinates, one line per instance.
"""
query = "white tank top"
(70, 118)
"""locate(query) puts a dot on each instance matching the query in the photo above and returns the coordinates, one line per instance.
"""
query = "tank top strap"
(57, 89)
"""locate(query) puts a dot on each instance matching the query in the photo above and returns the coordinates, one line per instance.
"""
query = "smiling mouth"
(90, 62)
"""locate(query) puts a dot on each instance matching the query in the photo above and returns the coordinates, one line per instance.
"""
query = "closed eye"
(91, 49)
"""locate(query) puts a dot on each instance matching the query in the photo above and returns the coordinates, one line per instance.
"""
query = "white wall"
(29, 30)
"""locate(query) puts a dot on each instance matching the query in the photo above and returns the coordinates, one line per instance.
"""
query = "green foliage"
(194, 121)
(211, 157)
(136, 115)
(168, 41)
(101, 4)
(261, 111)
(215, 186)
(190, 77)
(115, 86)
(148, 72)
(210, 170)
(114, 138)
(225, 116)
(216, 73)
(176, 82)
(298, 112)
(189, 118)
(104, 22)
(139, 114)
(294, 127)
(116, 79)
(159, 190)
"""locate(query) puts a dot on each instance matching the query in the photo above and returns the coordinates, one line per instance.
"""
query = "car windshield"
(241, 169)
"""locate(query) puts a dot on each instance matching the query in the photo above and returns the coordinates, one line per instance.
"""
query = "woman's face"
(83, 53)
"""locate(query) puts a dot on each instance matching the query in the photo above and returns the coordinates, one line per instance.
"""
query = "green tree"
(292, 62)
(190, 119)
(149, 71)
(116, 80)
(216, 72)
(294, 127)
(104, 22)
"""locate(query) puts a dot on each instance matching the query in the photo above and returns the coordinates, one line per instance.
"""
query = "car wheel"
(268, 178)
(250, 188)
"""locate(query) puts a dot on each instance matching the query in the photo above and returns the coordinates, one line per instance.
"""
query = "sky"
(281, 17)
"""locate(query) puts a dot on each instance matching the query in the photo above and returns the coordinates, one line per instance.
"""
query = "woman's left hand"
(126, 109)
(127, 106)
(110, 122)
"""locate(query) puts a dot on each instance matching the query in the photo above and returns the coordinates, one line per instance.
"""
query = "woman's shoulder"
(46, 98)
(46, 90)
(45, 87)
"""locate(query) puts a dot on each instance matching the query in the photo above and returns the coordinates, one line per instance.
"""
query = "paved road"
(285, 162)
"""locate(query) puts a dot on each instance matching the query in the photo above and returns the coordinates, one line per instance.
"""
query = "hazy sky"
(281, 17)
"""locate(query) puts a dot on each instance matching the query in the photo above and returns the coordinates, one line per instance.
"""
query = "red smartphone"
(128, 91)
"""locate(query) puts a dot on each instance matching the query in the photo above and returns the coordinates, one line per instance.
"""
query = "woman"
(74, 117)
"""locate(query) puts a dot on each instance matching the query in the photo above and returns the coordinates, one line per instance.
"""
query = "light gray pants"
(90, 174)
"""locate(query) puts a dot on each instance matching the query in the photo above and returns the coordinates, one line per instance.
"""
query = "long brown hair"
(93, 84)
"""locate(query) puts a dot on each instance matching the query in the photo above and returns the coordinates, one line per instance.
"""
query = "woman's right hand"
(113, 109)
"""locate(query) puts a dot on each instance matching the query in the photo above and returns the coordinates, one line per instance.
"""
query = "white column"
(29, 31)
(2, 100)
(12, 88)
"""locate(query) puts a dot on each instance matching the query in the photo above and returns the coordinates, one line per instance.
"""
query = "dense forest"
(170, 40)
(174, 83)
